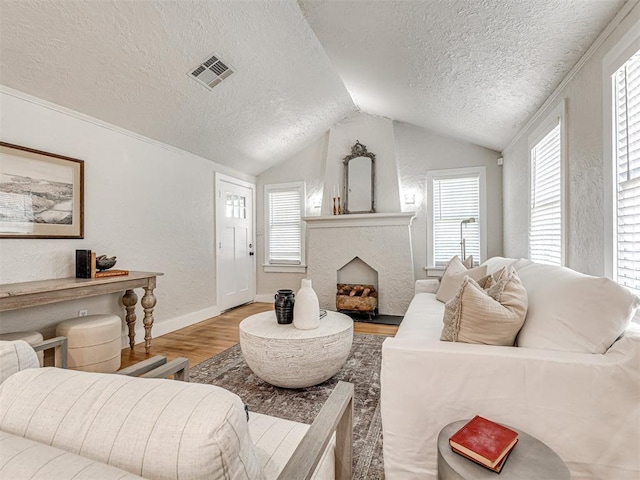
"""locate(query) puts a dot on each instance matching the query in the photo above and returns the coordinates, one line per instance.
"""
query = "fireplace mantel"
(381, 240)
(361, 220)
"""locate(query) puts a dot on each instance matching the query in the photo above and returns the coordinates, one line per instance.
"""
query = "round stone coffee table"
(287, 357)
(530, 459)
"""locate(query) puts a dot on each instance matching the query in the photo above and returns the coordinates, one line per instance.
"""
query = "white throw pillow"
(573, 312)
(494, 264)
(453, 276)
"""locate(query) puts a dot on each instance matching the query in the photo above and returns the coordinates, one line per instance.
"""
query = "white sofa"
(64, 424)
(585, 406)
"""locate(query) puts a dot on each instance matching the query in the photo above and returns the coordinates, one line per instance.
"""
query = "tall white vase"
(306, 311)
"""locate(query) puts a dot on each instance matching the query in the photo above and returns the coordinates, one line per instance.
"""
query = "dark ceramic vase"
(284, 301)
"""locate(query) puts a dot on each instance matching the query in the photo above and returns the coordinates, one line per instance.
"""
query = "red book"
(499, 465)
(484, 441)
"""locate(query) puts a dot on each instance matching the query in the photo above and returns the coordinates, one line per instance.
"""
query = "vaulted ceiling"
(470, 69)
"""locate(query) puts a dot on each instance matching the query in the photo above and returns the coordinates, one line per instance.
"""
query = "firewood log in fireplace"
(357, 290)
(356, 297)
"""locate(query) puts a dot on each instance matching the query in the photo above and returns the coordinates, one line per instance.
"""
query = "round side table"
(530, 459)
(287, 357)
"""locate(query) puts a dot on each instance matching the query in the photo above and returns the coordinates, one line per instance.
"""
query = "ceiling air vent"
(211, 72)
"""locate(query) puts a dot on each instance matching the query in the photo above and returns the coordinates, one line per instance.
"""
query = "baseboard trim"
(171, 325)
(263, 297)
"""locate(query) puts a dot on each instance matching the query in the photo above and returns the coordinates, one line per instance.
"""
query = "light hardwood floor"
(205, 339)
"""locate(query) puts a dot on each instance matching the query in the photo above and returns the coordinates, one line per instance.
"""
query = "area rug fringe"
(229, 370)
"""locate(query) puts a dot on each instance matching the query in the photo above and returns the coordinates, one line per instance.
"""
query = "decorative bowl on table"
(105, 263)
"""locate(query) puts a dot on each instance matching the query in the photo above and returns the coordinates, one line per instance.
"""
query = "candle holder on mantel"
(337, 208)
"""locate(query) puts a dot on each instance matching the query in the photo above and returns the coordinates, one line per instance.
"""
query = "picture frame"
(41, 194)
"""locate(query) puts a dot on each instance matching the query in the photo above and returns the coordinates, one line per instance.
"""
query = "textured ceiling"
(126, 62)
(474, 70)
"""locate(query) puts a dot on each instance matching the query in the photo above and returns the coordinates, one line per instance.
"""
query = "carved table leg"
(129, 301)
(148, 302)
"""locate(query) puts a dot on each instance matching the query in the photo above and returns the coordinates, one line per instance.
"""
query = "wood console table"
(14, 296)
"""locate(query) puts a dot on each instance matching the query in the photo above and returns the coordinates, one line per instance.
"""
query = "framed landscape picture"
(41, 194)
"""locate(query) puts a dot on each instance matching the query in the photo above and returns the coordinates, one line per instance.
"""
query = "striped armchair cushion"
(21, 458)
(153, 428)
(275, 440)
(16, 355)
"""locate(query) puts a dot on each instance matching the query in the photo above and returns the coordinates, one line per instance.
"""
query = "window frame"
(285, 267)
(481, 173)
(557, 116)
(626, 47)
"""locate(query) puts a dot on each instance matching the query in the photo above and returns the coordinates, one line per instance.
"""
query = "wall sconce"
(463, 246)
(314, 200)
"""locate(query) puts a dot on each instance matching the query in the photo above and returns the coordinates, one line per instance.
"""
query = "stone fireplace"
(380, 241)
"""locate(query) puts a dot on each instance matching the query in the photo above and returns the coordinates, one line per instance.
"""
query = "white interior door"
(235, 244)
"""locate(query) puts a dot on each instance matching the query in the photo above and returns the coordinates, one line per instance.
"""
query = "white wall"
(585, 165)
(149, 204)
(307, 165)
(377, 134)
(420, 151)
(412, 151)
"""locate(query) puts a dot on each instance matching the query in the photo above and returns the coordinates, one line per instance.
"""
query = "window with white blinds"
(455, 199)
(545, 224)
(626, 119)
(284, 211)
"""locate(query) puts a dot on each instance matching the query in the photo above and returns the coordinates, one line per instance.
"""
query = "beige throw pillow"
(490, 317)
(453, 276)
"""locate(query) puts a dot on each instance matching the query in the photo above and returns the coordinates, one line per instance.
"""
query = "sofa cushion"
(16, 355)
(21, 458)
(150, 427)
(490, 317)
(453, 276)
(275, 440)
(495, 264)
(573, 312)
(423, 319)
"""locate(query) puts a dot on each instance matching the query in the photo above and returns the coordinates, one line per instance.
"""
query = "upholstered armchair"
(57, 423)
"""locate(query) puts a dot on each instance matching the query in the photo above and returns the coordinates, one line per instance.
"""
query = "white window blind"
(284, 213)
(627, 162)
(545, 227)
(455, 199)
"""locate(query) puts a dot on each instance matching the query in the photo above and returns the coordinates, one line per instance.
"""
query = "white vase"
(306, 311)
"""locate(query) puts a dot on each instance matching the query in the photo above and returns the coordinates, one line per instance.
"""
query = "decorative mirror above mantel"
(359, 180)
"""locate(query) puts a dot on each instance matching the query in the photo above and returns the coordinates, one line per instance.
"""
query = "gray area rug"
(229, 370)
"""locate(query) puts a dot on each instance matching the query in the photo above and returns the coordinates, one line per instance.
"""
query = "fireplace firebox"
(357, 298)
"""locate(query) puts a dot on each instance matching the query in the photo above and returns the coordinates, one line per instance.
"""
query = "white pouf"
(30, 337)
(94, 342)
